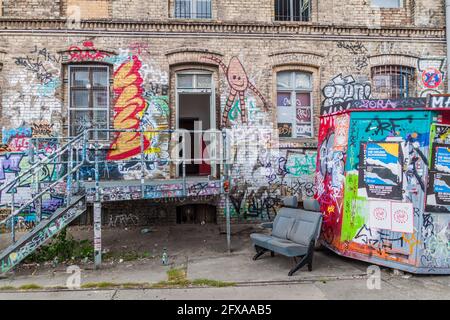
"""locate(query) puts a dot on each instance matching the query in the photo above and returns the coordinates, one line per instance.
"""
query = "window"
(193, 9)
(89, 100)
(393, 82)
(387, 3)
(294, 104)
(292, 10)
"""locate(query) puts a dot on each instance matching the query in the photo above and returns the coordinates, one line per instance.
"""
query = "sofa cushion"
(282, 226)
(260, 239)
(302, 232)
(286, 247)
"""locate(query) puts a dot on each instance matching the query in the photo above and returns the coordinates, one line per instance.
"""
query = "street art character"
(239, 83)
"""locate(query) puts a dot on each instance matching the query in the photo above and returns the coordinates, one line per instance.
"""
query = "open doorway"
(195, 111)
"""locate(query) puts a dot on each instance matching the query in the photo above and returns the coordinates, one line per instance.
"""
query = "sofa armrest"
(267, 225)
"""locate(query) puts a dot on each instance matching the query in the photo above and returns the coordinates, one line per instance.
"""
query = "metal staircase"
(66, 160)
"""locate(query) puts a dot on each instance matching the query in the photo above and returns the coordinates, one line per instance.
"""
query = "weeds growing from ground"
(63, 248)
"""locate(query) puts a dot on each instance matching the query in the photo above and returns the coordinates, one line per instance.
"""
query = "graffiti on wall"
(129, 103)
(341, 89)
(238, 83)
(358, 51)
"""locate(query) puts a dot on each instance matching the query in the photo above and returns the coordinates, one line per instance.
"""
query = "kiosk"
(383, 182)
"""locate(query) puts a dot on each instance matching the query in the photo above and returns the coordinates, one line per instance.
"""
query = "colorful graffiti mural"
(372, 186)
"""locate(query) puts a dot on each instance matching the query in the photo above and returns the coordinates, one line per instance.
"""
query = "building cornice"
(45, 26)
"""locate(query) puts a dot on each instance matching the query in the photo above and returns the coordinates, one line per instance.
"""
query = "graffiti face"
(237, 78)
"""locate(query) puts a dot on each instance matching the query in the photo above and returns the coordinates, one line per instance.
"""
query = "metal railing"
(74, 155)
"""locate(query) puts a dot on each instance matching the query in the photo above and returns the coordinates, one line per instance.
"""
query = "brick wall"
(34, 77)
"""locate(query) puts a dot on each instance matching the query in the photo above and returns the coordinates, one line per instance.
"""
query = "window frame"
(90, 67)
(193, 10)
(293, 91)
(395, 70)
(400, 5)
(291, 10)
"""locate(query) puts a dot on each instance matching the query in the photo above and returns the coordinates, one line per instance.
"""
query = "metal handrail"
(41, 162)
(84, 139)
(40, 194)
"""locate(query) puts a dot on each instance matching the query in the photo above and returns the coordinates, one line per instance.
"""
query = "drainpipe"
(447, 34)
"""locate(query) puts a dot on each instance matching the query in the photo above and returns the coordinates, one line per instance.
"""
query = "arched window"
(294, 104)
(393, 82)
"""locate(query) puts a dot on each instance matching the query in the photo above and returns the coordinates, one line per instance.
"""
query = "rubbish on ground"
(165, 257)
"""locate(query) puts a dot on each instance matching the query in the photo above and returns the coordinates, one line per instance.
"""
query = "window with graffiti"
(294, 104)
(193, 9)
(89, 100)
(292, 10)
(393, 82)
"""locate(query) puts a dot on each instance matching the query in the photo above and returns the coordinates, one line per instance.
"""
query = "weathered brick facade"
(339, 46)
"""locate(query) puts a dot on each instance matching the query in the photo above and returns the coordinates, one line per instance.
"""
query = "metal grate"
(193, 9)
(393, 82)
(292, 10)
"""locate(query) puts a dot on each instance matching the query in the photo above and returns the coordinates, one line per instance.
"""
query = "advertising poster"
(381, 170)
(402, 217)
(442, 159)
(441, 184)
(380, 215)
(438, 191)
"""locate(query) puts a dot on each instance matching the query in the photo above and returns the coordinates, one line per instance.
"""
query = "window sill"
(192, 19)
(280, 22)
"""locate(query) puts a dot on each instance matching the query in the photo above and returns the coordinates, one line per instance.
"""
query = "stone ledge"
(219, 27)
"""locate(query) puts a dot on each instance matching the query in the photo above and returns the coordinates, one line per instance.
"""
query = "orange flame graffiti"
(129, 103)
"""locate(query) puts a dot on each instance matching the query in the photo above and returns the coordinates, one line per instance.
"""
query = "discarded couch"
(294, 233)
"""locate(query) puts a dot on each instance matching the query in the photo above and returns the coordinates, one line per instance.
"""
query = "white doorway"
(195, 110)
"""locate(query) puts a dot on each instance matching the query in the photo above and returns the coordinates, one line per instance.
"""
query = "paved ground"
(202, 252)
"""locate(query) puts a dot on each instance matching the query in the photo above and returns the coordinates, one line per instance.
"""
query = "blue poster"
(442, 162)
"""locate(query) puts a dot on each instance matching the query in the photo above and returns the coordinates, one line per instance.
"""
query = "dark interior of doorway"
(192, 108)
(196, 214)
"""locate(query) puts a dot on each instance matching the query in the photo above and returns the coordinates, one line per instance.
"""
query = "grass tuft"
(4, 288)
(100, 285)
(31, 286)
(212, 283)
(176, 275)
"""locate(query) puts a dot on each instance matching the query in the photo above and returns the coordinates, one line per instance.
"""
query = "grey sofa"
(294, 234)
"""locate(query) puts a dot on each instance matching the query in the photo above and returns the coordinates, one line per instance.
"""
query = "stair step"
(45, 230)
